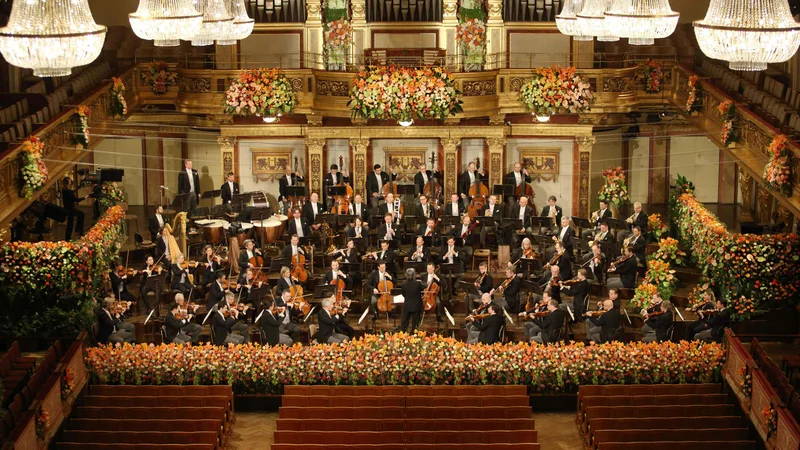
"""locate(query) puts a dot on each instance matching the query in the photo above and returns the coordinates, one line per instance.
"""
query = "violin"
(298, 267)
(613, 266)
(654, 314)
(554, 260)
(429, 296)
(300, 303)
(385, 300)
(475, 317)
(505, 284)
(122, 271)
(187, 264)
(596, 313)
(480, 279)
(571, 282)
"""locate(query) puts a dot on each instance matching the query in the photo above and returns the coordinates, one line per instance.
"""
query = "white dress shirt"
(298, 225)
(288, 180)
(160, 220)
(191, 180)
(424, 178)
(454, 208)
(230, 186)
(518, 177)
(563, 232)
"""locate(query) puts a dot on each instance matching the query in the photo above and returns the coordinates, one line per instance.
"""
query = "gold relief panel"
(583, 189)
(478, 88)
(333, 88)
(405, 162)
(542, 162)
(268, 164)
(618, 84)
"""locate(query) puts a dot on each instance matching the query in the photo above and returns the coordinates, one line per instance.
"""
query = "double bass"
(296, 201)
(478, 192)
(341, 203)
(385, 300)
(524, 188)
(433, 189)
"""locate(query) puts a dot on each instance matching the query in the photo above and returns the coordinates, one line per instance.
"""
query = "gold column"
(313, 30)
(359, 165)
(764, 206)
(447, 36)
(785, 216)
(495, 31)
(450, 166)
(746, 186)
(358, 15)
(227, 155)
(585, 145)
(315, 165)
(496, 148)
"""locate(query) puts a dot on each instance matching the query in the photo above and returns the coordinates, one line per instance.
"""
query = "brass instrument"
(397, 213)
(626, 242)
(595, 217)
(552, 215)
(630, 219)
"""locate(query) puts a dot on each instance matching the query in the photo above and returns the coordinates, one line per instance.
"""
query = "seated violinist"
(536, 305)
(525, 251)
(328, 322)
(119, 283)
(151, 269)
(551, 280)
(472, 328)
(579, 289)
(510, 288)
(550, 325)
(660, 322)
(420, 252)
(248, 253)
(489, 327)
(483, 283)
(597, 264)
(602, 325)
(271, 320)
(714, 322)
(562, 259)
(173, 324)
(111, 328)
(655, 301)
(217, 291)
(189, 328)
(625, 266)
(245, 283)
(468, 235)
(222, 321)
(210, 264)
(180, 275)
(239, 311)
(291, 303)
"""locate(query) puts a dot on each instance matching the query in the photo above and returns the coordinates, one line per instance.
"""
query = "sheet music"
(570, 313)
(508, 317)
(309, 313)
(397, 299)
(449, 317)
(627, 316)
(149, 316)
(259, 316)
(207, 315)
(363, 316)
(680, 315)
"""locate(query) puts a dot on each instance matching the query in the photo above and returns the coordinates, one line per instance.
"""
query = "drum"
(282, 219)
(214, 232)
(259, 199)
(244, 233)
(272, 230)
(260, 227)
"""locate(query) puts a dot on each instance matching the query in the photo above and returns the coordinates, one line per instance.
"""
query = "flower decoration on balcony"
(118, 105)
(42, 422)
(747, 382)
(81, 120)
(402, 93)
(745, 307)
(770, 420)
(650, 75)
(158, 76)
(660, 274)
(471, 33)
(614, 190)
(338, 37)
(727, 110)
(668, 251)
(694, 103)
(778, 172)
(67, 384)
(110, 195)
(643, 296)
(556, 89)
(260, 92)
(656, 227)
(33, 170)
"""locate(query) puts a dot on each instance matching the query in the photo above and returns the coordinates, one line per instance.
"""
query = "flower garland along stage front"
(694, 104)
(118, 107)
(110, 195)
(402, 359)
(401, 93)
(762, 270)
(81, 121)
(650, 76)
(49, 288)
(260, 92)
(556, 89)
(33, 171)
(727, 110)
(159, 77)
(778, 172)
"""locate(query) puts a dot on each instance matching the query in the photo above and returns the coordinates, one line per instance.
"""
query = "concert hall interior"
(400, 224)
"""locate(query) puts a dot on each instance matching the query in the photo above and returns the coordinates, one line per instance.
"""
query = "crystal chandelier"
(51, 36)
(591, 21)
(165, 22)
(242, 24)
(748, 34)
(567, 22)
(217, 21)
(641, 21)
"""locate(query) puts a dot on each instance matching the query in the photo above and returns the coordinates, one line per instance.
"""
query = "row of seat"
(465, 437)
(408, 391)
(12, 113)
(407, 425)
(401, 402)
(460, 412)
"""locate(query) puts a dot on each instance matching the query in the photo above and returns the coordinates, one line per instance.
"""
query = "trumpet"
(397, 211)
(626, 242)
(595, 216)
(595, 240)
(552, 215)
(630, 219)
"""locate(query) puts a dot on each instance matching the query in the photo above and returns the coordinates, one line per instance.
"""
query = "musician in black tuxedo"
(229, 188)
(359, 209)
(293, 248)
(374, 284)
(247, 253)
(601, 328)
(639, 245)
(552, 210)
(180, 276)
(511, 290)
(551, 325)
(288, 179)
(490, 327)
(564, 235)
(328, 332)
(312, 209)
(334, 178)
(336, 274)
(429, 278)
(467, 236)
(660, 323)
(119, 283)
(412, 305)
(70, 201)
(516, 177)
(450, 254)
(424, 208)
(453, 207)
(358, 230)
(563, 260)
(189, 182)
(216, 292)
(298, 225)
(221, 325)
(467, 179)
(110, 324)
(520, 211)
(390, 207)
(626, 270)
(579, 292)
(173, 327)
(385, 254)
(422, 178)
(419, 252)
(375, 182)
(156, 222)
(428, 229)
(597, 218)
(597, 265)
(387, 230)
(271, 320)
(638, 218)
(495, 211)
(715, 324)
(603, 235)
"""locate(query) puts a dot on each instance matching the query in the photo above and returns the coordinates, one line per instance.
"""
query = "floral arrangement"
(695, 101)
(747, 382)
(401, 93)
(32, 169)
(402, 359)
(650, 75)
(668, 251)
(42, 422)
(727, 110)
(683, 185)
(556, 89)
(35, 276)
(643, 296)
(614, 190)
(118, 105)
(770, 419)
(778, 172)
(656, 227)
(110, 195)
(660, 274)
(744, 307)
(471, 38)
(338, 37)
(81, 120)
(159, 77)
(67, 384)
(764, 269)
(261, 92)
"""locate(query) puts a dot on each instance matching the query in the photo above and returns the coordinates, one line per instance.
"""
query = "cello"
(299, 268)
(429, 296)
(524, 188)
(478, 192)
(341, 203)
(433, 189)
(385, 300)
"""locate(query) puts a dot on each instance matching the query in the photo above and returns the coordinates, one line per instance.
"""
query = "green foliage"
(477, 13)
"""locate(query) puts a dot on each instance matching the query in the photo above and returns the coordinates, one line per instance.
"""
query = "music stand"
(276, 264)
(336, 191)
(344, 219)
(155, 282)
(503, 190)
(360, 243)
(449, 220)
(526, 266)
(449, 270)
(581, 222)
(485, 221)
(580, 244)
(616, 224)
(610, 249)
(211, 194)
(541, 222)
(406, 189)
(470, 289)
(531, 287)
(295, 191)
(324, 290)
(419, 266)
(349, 268)
(428, 240)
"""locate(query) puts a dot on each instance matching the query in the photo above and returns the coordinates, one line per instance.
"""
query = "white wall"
(126, 154)
(606, 153)
(639, 169)
(471, 149)
(203, 151)
(696, 158)
(247, 182)
(336, 148)
(529, 50)
(562, 188)
(173, 162)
